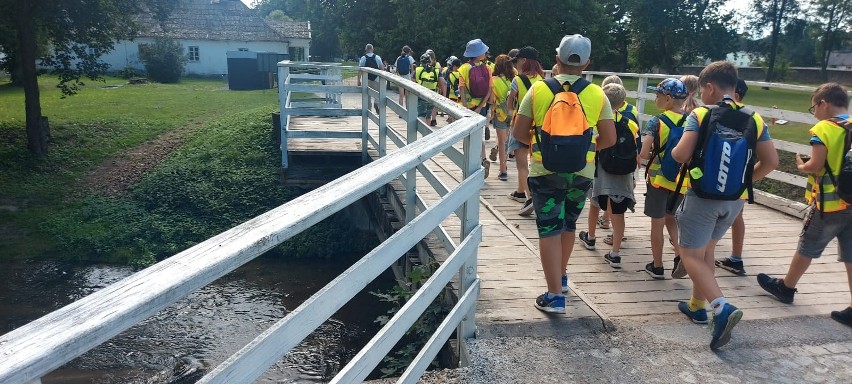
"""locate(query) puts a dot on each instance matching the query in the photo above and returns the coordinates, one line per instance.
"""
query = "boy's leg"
(671, 227)
(737, 236)
(502, 137)
(522, 163)
(798, 266)
(551, 261)
(657, 225)
(594, 210)
(617, 230)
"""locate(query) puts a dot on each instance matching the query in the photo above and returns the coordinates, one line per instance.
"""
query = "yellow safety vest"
(500, 90)
(833, 136)
(428, 79)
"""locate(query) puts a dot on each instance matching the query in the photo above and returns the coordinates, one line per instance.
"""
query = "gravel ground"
(810, 350)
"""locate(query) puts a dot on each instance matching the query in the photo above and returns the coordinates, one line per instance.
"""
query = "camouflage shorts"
(558, 200)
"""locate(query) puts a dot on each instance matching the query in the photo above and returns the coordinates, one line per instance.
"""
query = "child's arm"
(521, 128)
(767, 158)
(818, 154)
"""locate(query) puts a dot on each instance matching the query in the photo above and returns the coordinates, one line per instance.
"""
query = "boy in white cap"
(558, 198)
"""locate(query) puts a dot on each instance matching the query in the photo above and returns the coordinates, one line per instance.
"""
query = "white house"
(740, 59)
(840, 60)
(208, 29)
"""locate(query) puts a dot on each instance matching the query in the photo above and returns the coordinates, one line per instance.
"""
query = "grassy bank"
(38, 197)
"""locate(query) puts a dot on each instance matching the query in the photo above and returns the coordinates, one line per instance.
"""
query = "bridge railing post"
(469, 220)
(383, 117)
(283, 97)
(411, 101)
(365, 113)
(640, 101)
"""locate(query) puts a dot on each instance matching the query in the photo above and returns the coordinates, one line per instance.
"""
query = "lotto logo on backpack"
(620, 159)
(564, 138)
(724, 154)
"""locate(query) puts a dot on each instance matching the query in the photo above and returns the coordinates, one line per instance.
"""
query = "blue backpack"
(630, 114)
(403, 65)
(722, 166)
(668, 166)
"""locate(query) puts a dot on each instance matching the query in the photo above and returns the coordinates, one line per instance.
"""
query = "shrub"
(164, 60)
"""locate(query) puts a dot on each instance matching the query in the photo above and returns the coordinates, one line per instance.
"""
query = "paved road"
(791, 350)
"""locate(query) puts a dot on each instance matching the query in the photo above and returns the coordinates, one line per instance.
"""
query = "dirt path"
(116, 175)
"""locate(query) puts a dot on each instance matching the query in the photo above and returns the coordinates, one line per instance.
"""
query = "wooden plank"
(788, 178)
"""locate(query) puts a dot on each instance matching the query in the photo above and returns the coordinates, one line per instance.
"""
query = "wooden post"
(469, 220)
(411, 176)
(383, 117)
(640, 100)
(365, 113)
(283, 79)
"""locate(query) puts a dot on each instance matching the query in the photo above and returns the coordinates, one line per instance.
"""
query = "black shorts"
(617, 208)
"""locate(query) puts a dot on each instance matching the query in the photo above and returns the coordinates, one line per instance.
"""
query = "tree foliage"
(836, 26)
(164, 60)
(67, 36)
(775, 14)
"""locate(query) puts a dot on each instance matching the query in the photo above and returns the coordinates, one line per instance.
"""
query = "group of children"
(700, 162)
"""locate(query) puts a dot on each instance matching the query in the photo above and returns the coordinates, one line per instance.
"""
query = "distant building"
(208, 29)
(840, 60)
(740, 59)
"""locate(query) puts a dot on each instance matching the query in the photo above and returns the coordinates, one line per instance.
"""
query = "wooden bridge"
(512, 277)
(489, 258)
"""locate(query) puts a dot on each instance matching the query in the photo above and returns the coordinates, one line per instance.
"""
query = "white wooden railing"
(33, 350)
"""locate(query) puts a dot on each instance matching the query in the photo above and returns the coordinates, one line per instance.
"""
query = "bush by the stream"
(225, 175)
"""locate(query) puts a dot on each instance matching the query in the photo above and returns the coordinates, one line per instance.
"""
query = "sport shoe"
(527, 209)
(697, 317)
(608, 239)
(735, 267)
(550, 303)
(656, 272)
(493, 154)
(564, 283)
(487, 133)
(679, 271)
(433, 123)
(614, 261)
(503, 176)
(723, 324)
(520, 197)
(584, 239)
(487, 165)
(776, 287)
(843, 317)
(603, 223)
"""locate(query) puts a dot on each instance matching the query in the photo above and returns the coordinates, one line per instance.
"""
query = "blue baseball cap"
(672, 87)
(475, 48)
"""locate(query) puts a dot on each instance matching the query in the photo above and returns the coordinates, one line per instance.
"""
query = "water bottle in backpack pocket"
(669, 167)
(564, 138)
(725, 154)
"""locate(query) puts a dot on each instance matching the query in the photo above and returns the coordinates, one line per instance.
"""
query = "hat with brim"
(475, 48)
(671, 87)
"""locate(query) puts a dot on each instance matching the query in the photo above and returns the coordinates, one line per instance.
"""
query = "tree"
(776, 14)
(835, 19)
(68, 36)
(670, 33)
(164, 60)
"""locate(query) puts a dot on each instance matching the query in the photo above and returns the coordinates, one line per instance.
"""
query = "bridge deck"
(512, 275)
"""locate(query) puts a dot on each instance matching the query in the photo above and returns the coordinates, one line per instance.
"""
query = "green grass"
(100, 122)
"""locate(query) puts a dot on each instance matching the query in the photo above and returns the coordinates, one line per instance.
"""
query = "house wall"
(211, 60)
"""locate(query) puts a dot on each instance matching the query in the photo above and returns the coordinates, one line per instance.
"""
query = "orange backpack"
(565, 136)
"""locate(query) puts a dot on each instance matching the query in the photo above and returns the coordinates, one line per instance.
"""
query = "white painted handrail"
(33, 350)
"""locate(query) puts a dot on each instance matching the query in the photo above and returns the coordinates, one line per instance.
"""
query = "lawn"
(104, 120)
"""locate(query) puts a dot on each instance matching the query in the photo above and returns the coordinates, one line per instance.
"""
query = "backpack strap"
(554, 85)
(579, 85)
(847, 145)
(526, 81)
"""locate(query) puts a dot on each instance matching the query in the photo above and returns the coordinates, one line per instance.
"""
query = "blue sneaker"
(722, 325)
(564, 283)
(697, 317)
(550, 303)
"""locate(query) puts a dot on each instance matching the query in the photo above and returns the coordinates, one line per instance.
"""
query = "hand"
(801, 159)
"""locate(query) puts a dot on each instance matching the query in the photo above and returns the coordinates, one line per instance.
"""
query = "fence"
(33, 350)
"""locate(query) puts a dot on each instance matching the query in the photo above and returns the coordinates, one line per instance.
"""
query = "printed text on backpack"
(724, 155)
(565, 136)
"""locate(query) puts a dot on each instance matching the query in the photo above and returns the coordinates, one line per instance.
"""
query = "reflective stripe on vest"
(833, 136)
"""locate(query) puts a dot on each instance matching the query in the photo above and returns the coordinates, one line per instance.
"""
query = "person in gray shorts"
(834, 219)
(703, 221)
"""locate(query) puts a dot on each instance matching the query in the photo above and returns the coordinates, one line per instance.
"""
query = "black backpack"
(403, 65)
(371, 63)
(620, 159)
(843, 181)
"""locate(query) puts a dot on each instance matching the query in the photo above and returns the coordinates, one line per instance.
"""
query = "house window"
(193, 53)
(242, 49)
(297, 53)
